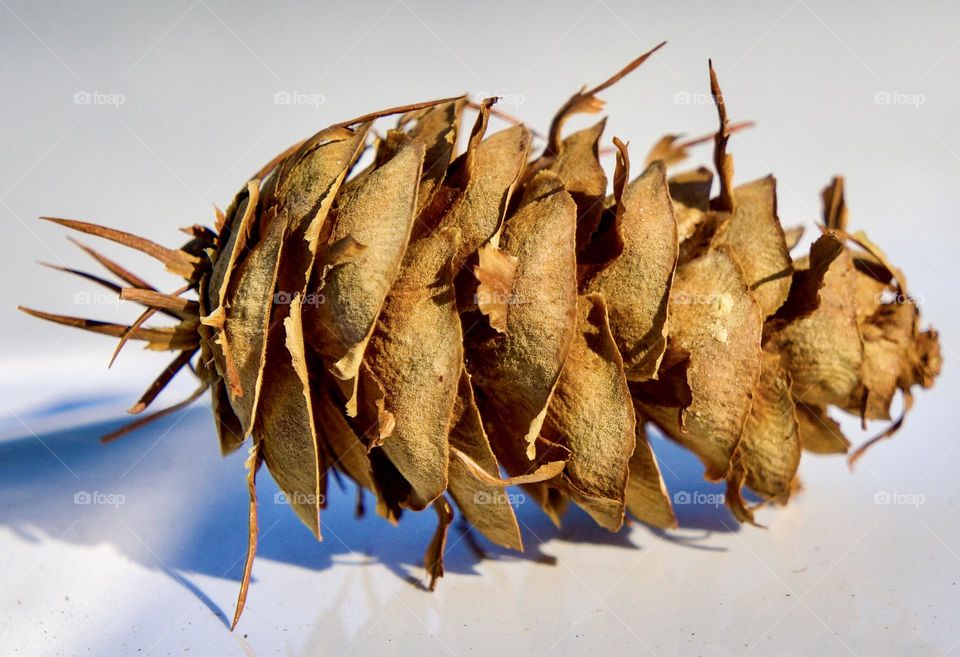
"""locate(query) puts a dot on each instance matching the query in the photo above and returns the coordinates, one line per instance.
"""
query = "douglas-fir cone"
(425, 321)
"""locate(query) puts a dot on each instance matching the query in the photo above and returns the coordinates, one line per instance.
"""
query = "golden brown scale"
(436, 318)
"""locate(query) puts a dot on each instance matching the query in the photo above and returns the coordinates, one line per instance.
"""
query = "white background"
(182, 109)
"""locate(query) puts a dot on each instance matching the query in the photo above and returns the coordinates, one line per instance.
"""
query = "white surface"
(835, 574)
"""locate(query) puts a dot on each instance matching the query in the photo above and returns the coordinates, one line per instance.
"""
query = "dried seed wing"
(691, 189)
(304, 198)
(808, 279)
(485, 506)
(792, 236)
(346, 450)
(928, 358)
(665, 150)
(769, 450)
(305, 178)
(349, 453)
(518, 368)
(871, 292)
(376, 217)
(878, 257)
(703, 234)
(295, 202)
(243, 213)
(479, 210)
(250, 299)
(494, 271)
(229, 430)
(436, 128)
(285, 427)
(636, 285)
(888, 340)
(391, 488)
(591, 414)
(671, 388)
(433, 559)
(416, 353)
(834, 206)
(714, 318)
(602, 242)
(819, 433)
(824, 371)
(578, 165)
(756, 236)
(646, 494)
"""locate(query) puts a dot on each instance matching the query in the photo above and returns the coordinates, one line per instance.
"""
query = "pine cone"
(421, 322)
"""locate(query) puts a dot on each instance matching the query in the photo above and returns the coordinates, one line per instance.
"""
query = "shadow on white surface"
(163, 498)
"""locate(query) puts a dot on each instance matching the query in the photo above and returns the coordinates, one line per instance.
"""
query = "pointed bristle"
(144, 316)
(153, 417)
(164, 338)
(176, 261)
(114, 268)
(183, 308)
(93, 278)
(161, 381)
